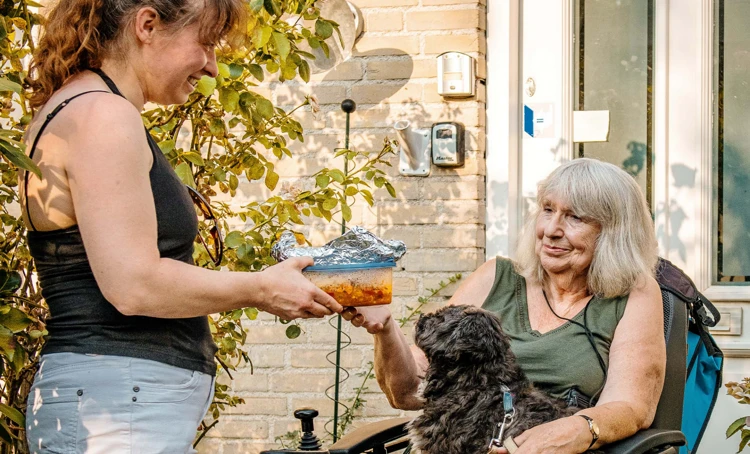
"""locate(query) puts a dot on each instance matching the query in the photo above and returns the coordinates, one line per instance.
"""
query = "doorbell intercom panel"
(448, 144)
(455, 74)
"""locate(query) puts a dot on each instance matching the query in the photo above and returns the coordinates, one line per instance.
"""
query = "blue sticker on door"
(538, 120)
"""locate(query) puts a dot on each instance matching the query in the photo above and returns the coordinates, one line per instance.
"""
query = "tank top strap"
(107, 80)
(155, 151)
(47, 120)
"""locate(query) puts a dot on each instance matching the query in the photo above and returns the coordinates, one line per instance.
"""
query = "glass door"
(614, 62)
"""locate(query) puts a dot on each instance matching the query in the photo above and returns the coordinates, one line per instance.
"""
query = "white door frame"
(503, 157)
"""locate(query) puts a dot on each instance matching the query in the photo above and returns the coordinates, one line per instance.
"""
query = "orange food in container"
(357, 284)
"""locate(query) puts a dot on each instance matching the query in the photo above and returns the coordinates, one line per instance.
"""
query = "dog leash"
(509, 413)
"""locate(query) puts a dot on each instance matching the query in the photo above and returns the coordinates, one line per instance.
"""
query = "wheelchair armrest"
(374, 434)
(643, 441)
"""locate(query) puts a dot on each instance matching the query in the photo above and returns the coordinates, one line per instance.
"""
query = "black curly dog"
(470, 362)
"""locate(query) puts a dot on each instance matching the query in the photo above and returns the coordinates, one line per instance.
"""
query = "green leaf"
(391, 190)
(745, 440)
(18, 157)
(735, 426)
(10, 281)
(234, 182)
(206, 86)
(368, 197)
(330, 204)
(337, 175)
(351, 191)
(272, 179)
(322, 181)
(229, 99)
(257, 71)
(7, 342)
(326, 50)
(304, 70)
(257, 237)
(9, 85)
(283, 47)
(15, 320)
(293, 331)
(166, 146)
(261, 36)
(264, 107)
(235, 70)
(346, 212)
(289, 71)
(186, 175)
(251, 313)
(323, 28)
(256, 5)
(193, 157)
(234, 239)
(216, 127)
(13, 414)
(223, 70)
(272, 7)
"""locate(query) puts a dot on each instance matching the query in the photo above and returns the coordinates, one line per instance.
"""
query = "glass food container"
(359, 284)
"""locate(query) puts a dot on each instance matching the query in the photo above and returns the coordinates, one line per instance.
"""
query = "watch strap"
(594, 433)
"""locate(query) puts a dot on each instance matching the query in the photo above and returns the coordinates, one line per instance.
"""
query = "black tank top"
(83, 321)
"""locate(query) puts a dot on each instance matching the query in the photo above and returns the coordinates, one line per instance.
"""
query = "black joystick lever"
(309, 441)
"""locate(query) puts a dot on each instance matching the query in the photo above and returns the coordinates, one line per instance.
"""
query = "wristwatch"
(593, 428)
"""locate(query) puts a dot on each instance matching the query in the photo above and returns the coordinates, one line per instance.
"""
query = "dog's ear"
(478, 336)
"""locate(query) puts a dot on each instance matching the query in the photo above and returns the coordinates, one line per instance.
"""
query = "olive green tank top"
(561, 358)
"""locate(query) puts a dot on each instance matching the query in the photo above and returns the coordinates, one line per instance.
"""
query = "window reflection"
(614, 71)
(732, 140)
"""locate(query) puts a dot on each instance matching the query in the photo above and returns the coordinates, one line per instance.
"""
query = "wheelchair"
(663, 437)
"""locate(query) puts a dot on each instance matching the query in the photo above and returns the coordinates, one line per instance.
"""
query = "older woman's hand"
(373, 318)
(562, 436)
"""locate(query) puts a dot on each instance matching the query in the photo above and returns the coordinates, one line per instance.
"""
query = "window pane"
(614, 72)
(732, 140)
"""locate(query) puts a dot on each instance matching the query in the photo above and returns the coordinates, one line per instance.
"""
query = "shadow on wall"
(384, 94)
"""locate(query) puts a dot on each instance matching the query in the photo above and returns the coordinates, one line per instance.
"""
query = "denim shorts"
(114, 404)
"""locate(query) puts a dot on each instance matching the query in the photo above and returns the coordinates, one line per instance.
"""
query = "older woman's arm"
(399, 368)
(635, 377)
(637, 365)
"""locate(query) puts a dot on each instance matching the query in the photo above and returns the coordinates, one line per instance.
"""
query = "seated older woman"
(586, 262)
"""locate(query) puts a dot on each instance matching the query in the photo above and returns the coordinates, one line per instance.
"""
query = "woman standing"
(129, 362)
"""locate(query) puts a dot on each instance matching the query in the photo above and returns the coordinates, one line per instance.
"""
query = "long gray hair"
(626, 248)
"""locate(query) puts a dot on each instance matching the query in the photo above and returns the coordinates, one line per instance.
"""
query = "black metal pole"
(348, 106)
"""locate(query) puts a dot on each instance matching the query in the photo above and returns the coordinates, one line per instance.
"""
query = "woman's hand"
(373, 318)
(287, 294)
(569, 435)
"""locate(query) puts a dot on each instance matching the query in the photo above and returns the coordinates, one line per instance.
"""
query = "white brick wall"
(391, 76)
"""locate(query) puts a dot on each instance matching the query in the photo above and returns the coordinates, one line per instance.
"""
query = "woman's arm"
(638, 358)
(635, 377)
(107, 168)
(399, 368)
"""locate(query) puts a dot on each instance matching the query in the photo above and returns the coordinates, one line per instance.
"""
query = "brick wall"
(391, 76)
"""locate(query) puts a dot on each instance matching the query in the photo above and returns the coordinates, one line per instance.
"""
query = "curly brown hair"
(78, 34)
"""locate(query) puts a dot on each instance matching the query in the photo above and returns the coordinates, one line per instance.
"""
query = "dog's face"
(461, 333)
